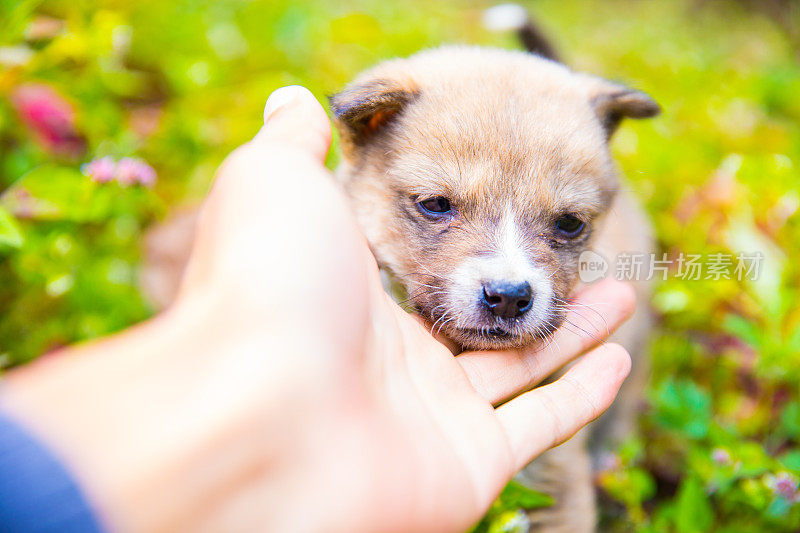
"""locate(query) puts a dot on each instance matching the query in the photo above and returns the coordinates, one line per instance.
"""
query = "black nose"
(507, 299)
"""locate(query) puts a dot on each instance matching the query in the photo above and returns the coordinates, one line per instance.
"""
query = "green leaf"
(778, 508)
(10, 234)
(693, 512)
(752, 459)
(743, 329)
(509, 522)
(51, 192)
(506, 513)
(791, 460)
(790, 420)
(632, 486)
(684, 407)
(516, 495)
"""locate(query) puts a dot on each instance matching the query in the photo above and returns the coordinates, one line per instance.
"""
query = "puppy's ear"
(612, 102)
(363, 109)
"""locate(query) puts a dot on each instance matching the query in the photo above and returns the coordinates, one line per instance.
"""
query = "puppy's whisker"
(605, 325)
(443, 324)
(575, 309)
(415, 296)
(593, 336)
(437, 321)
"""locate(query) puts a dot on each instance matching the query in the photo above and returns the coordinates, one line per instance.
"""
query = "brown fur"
(494, 132)
(510, 139)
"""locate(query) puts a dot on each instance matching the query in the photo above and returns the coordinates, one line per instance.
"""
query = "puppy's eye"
(569, 226)
(438, 205)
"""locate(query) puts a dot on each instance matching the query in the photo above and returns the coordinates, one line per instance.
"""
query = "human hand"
(284, 390)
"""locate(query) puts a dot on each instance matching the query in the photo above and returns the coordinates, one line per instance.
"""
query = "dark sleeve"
(37, 494)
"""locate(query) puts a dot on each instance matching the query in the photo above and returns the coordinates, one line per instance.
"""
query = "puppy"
(479, 176)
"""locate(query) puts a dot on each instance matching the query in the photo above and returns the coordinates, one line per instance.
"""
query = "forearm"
(137, 420)
(197, 421)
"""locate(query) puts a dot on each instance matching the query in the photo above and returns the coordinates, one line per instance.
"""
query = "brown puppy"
(479, 176)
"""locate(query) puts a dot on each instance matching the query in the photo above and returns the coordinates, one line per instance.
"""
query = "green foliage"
(682, 407)
(506, 515)
(692, 511)
(10, 234)
(180, 83)
(69, 259)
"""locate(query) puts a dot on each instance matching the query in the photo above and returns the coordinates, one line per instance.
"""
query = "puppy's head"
(479, 176)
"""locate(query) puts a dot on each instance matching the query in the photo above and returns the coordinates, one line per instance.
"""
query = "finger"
(258, 187)
(598, 310)
(443, 339)
(283, 162)
(293, 116)
(545, 417)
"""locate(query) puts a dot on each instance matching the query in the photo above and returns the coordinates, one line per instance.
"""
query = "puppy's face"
(479, 176)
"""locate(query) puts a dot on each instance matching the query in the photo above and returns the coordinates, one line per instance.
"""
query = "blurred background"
(113, 114)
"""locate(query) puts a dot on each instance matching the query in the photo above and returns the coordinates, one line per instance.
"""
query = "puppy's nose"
(507, 299)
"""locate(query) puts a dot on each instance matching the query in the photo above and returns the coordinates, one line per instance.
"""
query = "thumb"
(287, 153)
(293, 116)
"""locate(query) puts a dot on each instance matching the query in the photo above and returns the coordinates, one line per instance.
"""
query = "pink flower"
(50, 117)
(132, 170)
(784, 484)
(721, 457)
(609, 461)
(126, 171)
(100, 170)
(147, 175)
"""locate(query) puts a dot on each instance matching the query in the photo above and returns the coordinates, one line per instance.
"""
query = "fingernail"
(279, 98)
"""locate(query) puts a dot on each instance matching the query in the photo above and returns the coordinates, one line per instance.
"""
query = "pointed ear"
(363, 109)
(612, 102)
